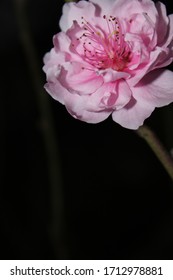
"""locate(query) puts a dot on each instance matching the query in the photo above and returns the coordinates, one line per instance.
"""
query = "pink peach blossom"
(107, 60)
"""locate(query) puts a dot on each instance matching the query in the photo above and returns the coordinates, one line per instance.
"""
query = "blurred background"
(68, 189)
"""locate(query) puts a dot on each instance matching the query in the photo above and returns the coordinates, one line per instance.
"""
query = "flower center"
(105, 49)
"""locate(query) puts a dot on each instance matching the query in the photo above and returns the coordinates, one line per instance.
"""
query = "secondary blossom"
(107, 59)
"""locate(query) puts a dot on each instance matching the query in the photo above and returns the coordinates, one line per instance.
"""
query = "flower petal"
(56, 91)
(110, 75)
(80, 107)
(155, 90)
(113, 95)
(63, 45)
(61, 42)
(133, 114)
(162, 24)
(53, 59)
(105, 7)
(142, 25)
(169, 37)
(124, 8)
(156, 87)
(74, 11)
(157, 57)
(78, 79)
(124, 94)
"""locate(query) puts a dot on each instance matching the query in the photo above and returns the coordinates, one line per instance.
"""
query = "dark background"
(68, 189)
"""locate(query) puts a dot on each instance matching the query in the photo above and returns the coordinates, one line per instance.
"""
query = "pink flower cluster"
(107, 60)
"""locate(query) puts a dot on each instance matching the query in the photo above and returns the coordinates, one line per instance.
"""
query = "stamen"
(105, 49)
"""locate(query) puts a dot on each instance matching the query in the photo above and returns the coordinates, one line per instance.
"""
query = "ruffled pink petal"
(162, 24)
(139, 50)
(113, 95)
(155, 90)
(165, 58)
(133, 114)
(158, 56)
(61, 42)
(124, 8)
(53, 59)
(63, 46)
(124, 94)
(142, 26)
(169, 37)
(56, 91)
(104, 6)
(110, 75)
(82, 108)
(74, 11)
(53, 64)
(76, 78)
(156, 87)
(74, 33)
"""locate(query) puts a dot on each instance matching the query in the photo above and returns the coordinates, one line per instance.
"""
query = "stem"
(57, 227)
(162, 154)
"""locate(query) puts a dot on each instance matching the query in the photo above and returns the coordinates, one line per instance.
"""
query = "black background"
(117, 200)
